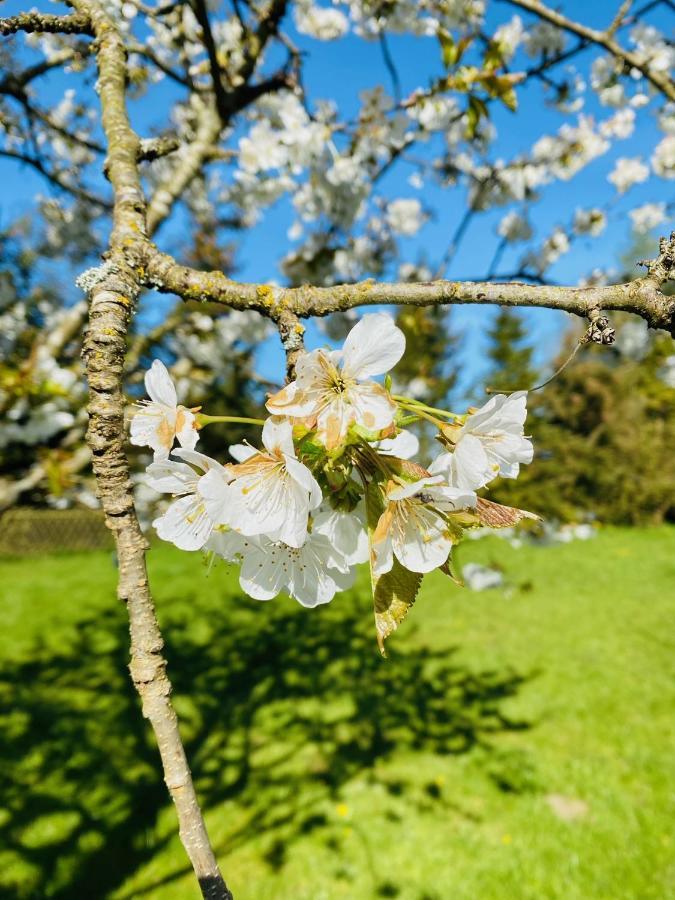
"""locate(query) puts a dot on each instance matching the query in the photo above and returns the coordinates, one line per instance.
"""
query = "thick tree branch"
(640, 296)
(660, 80)
(78, 23)
(187, 167)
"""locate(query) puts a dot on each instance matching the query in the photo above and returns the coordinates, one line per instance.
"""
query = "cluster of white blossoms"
(332, 484)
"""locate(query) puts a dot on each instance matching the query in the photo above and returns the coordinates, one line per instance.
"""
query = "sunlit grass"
(518, 743)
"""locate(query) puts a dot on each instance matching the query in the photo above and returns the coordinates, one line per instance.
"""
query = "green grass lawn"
(517, 743)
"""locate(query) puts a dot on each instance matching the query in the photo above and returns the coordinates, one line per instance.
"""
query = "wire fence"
(27, 531)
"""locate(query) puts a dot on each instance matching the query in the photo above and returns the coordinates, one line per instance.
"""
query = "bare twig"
(616, 22)
(155, 148)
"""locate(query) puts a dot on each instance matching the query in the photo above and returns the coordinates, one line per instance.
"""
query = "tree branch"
(113, 290)
(640, 296)
(78, 23)
(621, 13)
(605, 39)
(55, 177)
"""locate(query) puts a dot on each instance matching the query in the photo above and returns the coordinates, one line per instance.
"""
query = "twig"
(660, 80)
(113, 290)
(31, 22)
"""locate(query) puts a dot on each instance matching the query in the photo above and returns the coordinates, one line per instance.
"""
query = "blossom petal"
(500, 413)
(159, 385)
(508, 454)
(202, 461)
(333, 422)
(292, 529)
(228, 544)
(153, 426)
(372, 347)
(186, 428)
(216, 495)
(451, 498)
(170, 477)
(185, 523)
(346, 533)
(404, 446)
(382, 555)
(469, 466)
(261, 576)
(423, 543)
(260, 502)
(300, 473)
(410, 488)
(303, 396)
(241, 452)
(312, 587)
(373, 407)
(290, 402)
(277, 436)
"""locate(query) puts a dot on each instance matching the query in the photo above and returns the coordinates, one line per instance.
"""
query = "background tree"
(588, 463)
(509, 355)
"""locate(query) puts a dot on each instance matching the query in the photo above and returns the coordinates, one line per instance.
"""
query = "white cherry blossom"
(589, 221)
(159, 421)
(413, 527)
(331, 390)
(312, 573)
(489, 443)
(663, 157)
(405, 216)
(346, 532)
(186, 523)
(405, 445)
(627, 172)
(647, 216)
(514, 227)
(319, 22)
(272, 492)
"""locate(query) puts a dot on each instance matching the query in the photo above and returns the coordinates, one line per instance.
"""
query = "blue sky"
(339, 71)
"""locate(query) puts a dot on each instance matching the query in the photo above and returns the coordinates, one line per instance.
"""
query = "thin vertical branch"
(292, 334)
(113, 290)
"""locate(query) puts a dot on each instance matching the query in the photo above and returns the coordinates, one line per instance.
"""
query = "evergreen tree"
(430, 362)
(430, 367)
(511, 357)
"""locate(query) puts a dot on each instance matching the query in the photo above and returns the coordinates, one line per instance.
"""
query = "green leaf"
(449, 49)
(477, 108)
(395, 592)
(393, 595)
(448, 568)
(493, 57)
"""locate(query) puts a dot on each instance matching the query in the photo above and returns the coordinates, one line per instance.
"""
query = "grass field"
(518, 743)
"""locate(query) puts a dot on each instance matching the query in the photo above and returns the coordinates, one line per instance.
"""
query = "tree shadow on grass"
(280, 707)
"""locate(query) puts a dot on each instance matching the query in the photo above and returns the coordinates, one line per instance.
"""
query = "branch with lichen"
(641, 296)
(31, 22)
